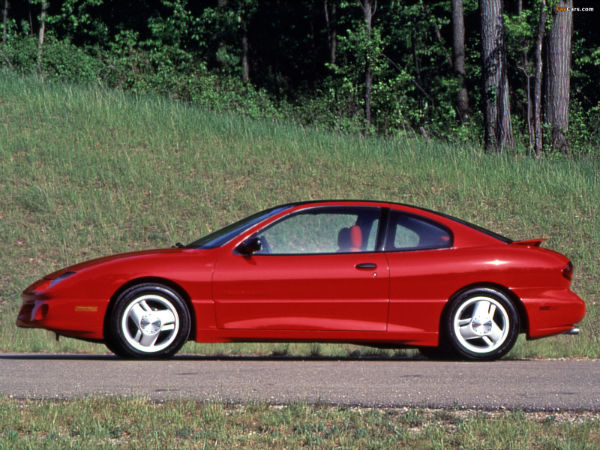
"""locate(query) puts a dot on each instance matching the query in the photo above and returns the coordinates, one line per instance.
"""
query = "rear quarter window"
(409, 232)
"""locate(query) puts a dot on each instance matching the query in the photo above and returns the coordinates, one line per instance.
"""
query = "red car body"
(377, 296)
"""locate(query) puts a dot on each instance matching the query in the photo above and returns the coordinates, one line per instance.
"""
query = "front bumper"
(74, 318)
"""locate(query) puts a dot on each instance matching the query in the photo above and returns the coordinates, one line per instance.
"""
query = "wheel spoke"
(136, 313)
(481, 310)
(165, 316)
(467, 332)
(145, 306)
(495, 333)
(463, 322)
(488, 341)
(148, 340)
(138, 335)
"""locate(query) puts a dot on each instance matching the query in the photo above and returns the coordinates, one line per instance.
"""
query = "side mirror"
(249, 246)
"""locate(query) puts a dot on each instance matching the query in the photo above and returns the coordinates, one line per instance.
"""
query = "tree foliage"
(308, 61)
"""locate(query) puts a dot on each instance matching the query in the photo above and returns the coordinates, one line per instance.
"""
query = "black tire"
(148, 321)
(480, 325)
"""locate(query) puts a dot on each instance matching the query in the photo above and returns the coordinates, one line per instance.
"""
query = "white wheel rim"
(150, 323)
(481, 324)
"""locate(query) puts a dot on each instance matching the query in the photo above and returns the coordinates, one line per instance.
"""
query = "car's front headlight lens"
(61, 277)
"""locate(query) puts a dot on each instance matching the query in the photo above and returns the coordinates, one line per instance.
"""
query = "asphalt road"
(549, 385)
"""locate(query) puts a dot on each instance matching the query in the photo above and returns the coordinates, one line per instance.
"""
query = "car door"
(421, 260)
(317, 269)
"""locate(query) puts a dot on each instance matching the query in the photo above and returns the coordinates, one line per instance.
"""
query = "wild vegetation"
(134, 422)
(88, 172)
(518, 76)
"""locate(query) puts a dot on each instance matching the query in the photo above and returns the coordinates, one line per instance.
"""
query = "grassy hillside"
(86, 172)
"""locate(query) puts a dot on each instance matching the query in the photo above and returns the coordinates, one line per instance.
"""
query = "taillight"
(568, 271)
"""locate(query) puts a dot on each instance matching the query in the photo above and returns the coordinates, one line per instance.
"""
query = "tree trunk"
(368, 11)
(5, 33)
(525, 69)
(4, 20)
(221, 48)
(458, 47)
(529, 106)
(330, 21)
(498, 127)
(41, 35)
(537, 91)
(29, 17)
(559, 67)
(245, 64)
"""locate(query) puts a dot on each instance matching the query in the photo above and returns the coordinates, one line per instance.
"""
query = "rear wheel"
(148, 321)
(481, 324)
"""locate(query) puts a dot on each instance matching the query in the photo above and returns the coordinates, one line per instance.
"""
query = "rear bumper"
(551, 312)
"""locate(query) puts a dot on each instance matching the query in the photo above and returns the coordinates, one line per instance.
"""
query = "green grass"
(86, 172)
(135, 423)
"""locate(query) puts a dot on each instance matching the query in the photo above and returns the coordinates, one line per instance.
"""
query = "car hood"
(118, 257)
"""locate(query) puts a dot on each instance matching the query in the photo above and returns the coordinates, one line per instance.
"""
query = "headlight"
(61, 277)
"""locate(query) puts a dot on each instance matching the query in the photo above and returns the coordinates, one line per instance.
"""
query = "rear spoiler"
(530, 242)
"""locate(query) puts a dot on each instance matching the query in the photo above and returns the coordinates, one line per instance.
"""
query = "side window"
(323, 230)
(408, 232)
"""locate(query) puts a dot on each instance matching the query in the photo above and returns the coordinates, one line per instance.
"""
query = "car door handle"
(366, 266)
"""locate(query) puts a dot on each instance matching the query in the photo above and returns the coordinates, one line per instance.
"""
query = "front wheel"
(148, 321)
(481, 324)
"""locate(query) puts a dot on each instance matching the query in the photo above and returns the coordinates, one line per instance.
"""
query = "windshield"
(224, 235)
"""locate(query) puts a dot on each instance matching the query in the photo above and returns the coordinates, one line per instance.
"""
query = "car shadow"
(192, 357)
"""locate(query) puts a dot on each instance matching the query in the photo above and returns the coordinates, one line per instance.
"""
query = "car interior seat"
(350, 239)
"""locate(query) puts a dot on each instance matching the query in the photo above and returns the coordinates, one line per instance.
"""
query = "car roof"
(403, 206)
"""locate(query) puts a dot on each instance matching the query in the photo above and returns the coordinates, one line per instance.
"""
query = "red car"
(373, 273)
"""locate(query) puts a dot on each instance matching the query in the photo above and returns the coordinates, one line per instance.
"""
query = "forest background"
(518, 77)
